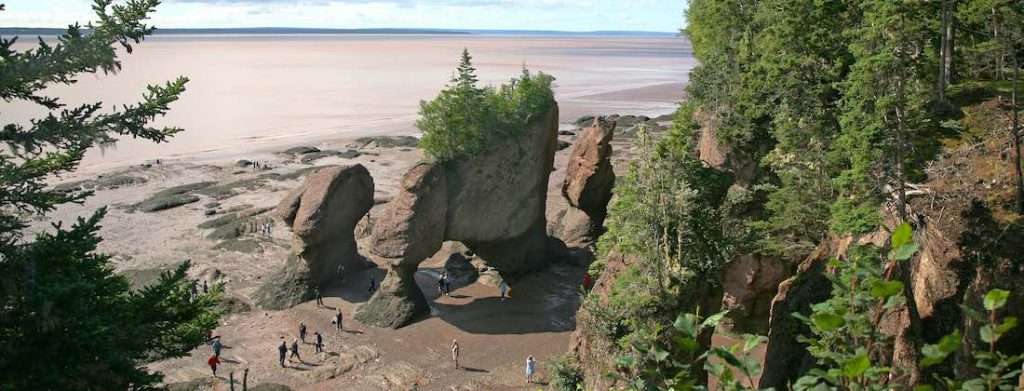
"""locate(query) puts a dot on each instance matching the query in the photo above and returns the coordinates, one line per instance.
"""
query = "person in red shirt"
(588, 282)
(213, 362)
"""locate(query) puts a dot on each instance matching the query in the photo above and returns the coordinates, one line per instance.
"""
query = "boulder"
(494, 203)
(749, 284)
(322, 215)
(301, 150)
(589, 177)
(573, 227)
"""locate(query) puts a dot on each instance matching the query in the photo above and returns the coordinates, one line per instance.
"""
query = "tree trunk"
(949, 41)
(1015, 137)
(944, 51)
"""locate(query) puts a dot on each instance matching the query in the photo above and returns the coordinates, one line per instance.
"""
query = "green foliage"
(844, 339)
(566, 374)
(67, 320)
(663, 358)
(466, 119)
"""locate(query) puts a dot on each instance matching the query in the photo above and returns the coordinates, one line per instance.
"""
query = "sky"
(565, 15)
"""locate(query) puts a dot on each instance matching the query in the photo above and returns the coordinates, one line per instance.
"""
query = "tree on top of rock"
(464, 118)
(466, 79)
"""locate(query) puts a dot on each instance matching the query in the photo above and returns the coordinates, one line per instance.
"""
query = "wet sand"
(256, 94)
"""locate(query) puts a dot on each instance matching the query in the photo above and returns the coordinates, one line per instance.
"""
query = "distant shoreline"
(39, 31)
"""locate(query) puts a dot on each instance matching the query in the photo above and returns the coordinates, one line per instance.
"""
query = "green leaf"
(857, 365)
(988, 334)
(686, 323)
(881, 289)
(924, 387)
(751, 341)
(996, 299)
(687, 344)
(902, 235)
(827, 321)
(904, 252)
(660, 355)
(937, 353)
(713, 320)
(1008, 324)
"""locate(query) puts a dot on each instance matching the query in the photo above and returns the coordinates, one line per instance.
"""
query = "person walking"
(213, 361)
(206, 288)
(455, 353)
(531, 366)
(295, 350)
(318, 342)
(217, 346)
(302, 332)
(338, 319)
(503, 290)
(373, 285)
(440, 286)
(282, 351)
(319, 299)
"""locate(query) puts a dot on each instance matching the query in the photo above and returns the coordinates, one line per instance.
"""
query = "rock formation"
(589, 177)
(587, 188)
(494, 203)
(322, 214)
(749, 283)
(941, 277)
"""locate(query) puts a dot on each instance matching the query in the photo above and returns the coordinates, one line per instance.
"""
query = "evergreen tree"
(887, 131)
(464, 118)
(67, 321)
(466, 74)
(803, 77)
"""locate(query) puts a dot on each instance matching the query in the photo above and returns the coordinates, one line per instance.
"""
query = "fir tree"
(67, 321)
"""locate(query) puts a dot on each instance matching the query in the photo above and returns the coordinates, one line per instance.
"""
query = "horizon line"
(328, 30)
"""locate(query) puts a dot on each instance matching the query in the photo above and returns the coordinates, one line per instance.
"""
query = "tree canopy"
(465, 118)
(67, 321)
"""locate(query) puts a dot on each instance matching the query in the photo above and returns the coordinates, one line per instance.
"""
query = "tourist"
(295, 350)
(195, 289)
(338, 319)
(302, 332)
(531, 365)
(319, 342)
(213, 362)
(319, 299)
(440, 285)
(206, 289)
(282, 351)
(216, 345)
(373, 285)
(503, 290)
(455, 353)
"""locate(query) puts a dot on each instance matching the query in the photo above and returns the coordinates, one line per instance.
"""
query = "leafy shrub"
(566, 374)
(465, 119)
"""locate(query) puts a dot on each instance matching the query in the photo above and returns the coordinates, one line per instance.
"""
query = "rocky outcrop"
(494, 203)
(322, 214)
(786, 357)
(588, 185)
(591, 349)
(589, 177)
(944, 275)
(749, 283)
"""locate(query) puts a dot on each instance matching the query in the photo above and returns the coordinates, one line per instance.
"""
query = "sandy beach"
(495, 336)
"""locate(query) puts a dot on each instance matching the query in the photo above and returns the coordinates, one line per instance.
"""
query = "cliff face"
(494, 203)
(969, 245)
